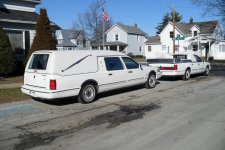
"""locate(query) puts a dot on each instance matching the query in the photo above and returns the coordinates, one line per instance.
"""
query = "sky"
(145, 13)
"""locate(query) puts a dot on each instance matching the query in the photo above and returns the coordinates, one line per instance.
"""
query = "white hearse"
(83, 73)
(183, 65)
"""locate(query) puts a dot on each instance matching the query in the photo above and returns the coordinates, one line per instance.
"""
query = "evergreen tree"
(191, 20)
(43, 39)
(178, 17)
(166, 19)
(7, 57)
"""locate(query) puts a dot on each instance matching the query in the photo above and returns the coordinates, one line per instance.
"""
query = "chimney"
(135, 25)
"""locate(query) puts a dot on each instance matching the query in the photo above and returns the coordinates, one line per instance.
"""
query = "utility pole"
(174, 22)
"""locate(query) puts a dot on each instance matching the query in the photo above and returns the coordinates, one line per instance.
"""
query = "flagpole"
(104, 19)
(103, 32)
(103, 41)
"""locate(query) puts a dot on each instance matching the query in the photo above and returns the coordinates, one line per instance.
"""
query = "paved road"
(187, 115)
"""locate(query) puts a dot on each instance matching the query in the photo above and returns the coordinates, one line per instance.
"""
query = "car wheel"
(151, 82)
(187, 74)
(206, 73)
(87, 94)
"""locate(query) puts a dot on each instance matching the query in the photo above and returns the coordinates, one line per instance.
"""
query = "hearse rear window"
(39, 61)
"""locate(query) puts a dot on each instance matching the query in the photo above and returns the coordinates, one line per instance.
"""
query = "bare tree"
(91, 21)
(212, 7)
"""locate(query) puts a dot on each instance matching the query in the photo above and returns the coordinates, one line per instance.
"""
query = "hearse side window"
(39, 61)
(130, 64)
(113, 63)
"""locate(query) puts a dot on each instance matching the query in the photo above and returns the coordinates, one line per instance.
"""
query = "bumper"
(48, 94)
(172, 73)
(159, 75)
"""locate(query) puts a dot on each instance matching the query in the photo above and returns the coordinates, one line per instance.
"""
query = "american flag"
(104, 15)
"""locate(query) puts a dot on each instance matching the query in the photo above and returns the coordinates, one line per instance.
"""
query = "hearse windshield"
(39, 61)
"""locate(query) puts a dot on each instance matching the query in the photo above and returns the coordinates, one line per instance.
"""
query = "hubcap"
(187, 75)
(152, 81)
(207, 71)
(89, 93)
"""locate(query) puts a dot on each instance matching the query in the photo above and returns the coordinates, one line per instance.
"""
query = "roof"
(15, 16)
(206, 27)
(109, 43)
(70, 34)
(153, 39)
(34, 1)
(66, 43)
(67, 36)
(132, 29)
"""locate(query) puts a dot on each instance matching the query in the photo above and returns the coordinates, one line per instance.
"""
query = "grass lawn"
(7, 80)
(140, 59)
(11, 95)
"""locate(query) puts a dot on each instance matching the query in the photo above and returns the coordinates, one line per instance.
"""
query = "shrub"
(130, 54)
(43, 39)
(211, 58)
(7, 57)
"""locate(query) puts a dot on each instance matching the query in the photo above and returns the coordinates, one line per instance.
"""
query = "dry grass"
(18, 79)
(11, 95)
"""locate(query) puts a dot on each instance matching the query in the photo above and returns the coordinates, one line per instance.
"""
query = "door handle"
(110, 74)
(130, 71)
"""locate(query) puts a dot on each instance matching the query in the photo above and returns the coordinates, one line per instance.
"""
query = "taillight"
(175, 67)
(52, 85)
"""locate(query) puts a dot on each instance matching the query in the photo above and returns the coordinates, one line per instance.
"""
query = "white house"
(201, 38)
(70, 40)
(18, 18)
(124, 38)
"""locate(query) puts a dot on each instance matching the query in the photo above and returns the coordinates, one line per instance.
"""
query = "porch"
(115, 46)
(199, 45)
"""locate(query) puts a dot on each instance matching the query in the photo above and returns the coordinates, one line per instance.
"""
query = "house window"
(137, 38)
(195, 47)
(164, 47)
(171, 34)
(140, 48)
(195, 33)
(116, 37)
(222, 48)
(149, 48)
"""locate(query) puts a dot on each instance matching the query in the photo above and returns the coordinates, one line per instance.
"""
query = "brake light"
(52, 85)
(175, 67)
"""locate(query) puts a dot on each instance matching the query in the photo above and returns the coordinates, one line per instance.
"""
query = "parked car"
(83, 73)
(183, 65)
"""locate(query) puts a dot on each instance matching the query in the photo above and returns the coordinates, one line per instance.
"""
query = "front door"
(113, 74)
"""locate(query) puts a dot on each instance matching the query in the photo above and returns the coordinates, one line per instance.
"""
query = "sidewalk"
(11, 85)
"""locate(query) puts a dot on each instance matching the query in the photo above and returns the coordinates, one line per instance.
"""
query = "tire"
(87, 94)
(206, 73)
(151, 82)
(187, 74)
